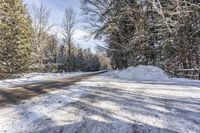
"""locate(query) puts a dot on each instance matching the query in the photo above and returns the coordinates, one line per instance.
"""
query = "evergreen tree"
(15, 37)
(151, 32)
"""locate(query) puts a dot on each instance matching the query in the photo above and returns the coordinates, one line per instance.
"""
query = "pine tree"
(15, 37)
(164, 33)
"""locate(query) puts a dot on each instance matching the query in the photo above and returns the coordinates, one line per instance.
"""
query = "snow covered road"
(102, 104)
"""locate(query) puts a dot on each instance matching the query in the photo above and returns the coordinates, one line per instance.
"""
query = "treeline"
(163, 33)
(28, 42)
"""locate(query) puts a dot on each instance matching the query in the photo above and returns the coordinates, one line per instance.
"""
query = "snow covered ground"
(36, 77)
(108, 104)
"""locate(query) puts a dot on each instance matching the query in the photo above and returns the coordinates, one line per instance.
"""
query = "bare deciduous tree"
(69, 23)
(42, 25)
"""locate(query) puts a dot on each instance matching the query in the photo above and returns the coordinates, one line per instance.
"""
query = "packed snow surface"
(36, 77)
(103, 104)
(108, 103)
(143, 73)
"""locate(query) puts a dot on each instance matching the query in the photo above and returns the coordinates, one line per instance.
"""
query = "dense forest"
(28, 42)
(164, 33)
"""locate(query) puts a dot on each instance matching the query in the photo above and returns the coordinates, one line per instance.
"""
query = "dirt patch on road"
(22, 92)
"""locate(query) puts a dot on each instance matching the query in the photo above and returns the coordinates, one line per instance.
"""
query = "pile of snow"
(143, 73)
(149, 74)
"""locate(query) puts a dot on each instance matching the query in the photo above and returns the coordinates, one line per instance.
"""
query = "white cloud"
(30, 2)
(58, 31)
(81, 35)
(85, 40)
(81, 38)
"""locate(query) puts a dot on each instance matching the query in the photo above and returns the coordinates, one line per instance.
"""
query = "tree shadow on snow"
(179, 112)
(94, 126)
(133, 104)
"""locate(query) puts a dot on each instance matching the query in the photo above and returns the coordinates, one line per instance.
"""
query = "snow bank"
(149, 74)
(143, 73)
(42, 76)
(139, 73)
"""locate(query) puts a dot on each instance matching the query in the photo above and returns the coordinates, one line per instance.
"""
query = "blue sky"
(57, 8)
